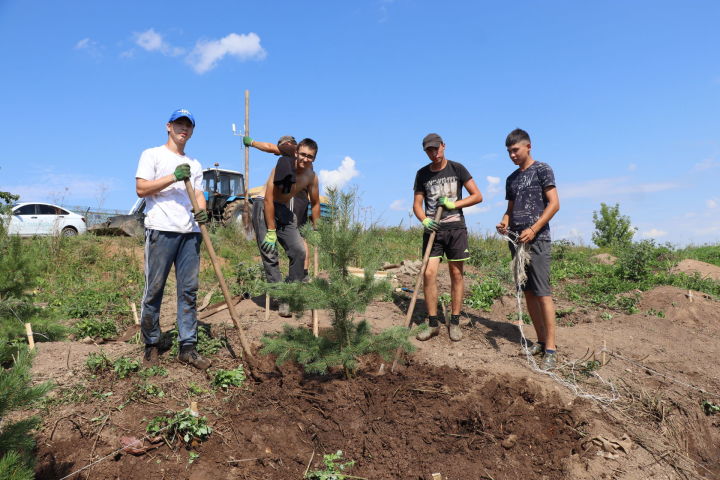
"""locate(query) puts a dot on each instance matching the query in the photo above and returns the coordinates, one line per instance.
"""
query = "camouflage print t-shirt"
(527, 190)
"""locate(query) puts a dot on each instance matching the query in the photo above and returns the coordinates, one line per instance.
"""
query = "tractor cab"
(224, 194)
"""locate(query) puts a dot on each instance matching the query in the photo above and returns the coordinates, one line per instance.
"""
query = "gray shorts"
(538, 270)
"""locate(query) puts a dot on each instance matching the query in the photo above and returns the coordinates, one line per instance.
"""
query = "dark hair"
(516, 136)
(308, 142)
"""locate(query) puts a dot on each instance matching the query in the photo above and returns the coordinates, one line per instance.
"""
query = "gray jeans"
(288, 236)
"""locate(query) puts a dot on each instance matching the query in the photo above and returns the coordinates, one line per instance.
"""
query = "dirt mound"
(692, 267)
(426, 420)
(681, 306)
(605, 258)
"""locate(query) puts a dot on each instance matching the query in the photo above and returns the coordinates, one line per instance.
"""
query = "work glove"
(247, 141)
(446, 203)
(269, 244)
(431, 224)
(182, 172)
(201, 217)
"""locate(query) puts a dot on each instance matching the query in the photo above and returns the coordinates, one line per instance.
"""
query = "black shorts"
(538, 270)
(453, 243)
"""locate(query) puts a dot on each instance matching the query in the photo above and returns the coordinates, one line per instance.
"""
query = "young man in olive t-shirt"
(440, 183)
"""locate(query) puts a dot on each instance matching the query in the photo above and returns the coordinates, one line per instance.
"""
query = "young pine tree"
(342, 241)
(16, 443)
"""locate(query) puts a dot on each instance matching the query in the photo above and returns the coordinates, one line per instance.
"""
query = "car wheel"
(68, 232)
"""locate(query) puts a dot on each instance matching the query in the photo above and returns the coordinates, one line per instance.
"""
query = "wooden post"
(603, 352)
(411, 308)
(221, 280)
(135, 314)
(246, 211)
(315, 320)
(194, 409)
(31, 339)
(267, 307)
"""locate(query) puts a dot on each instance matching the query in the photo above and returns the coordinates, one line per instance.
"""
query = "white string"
(518, 268)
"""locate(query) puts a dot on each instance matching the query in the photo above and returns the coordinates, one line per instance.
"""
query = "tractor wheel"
(232, 215)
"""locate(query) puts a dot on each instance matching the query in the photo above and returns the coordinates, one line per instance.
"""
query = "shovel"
(411, 308)
(223, 286)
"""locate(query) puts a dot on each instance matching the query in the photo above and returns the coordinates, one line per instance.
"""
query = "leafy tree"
(611, 228)
(340, 238)
(16, 443)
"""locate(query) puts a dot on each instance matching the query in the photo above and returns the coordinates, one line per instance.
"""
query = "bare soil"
(474, 409)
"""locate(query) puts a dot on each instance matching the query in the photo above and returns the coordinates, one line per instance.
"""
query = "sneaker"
(536, 349)
(428, 334)
(454, 332)
(189, 356)
(150, 357)
(549, 361)
(284, 310)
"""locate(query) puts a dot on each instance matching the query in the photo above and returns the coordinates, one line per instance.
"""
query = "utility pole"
(247, 224)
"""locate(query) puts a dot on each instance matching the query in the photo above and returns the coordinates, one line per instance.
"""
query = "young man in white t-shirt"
(172, 236)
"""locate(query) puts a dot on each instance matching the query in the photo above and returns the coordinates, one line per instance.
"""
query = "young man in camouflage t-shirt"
(532, 202)
(440, 183)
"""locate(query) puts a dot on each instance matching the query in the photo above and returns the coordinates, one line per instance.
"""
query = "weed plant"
(483, 293)
(95, 328)
(224, 379)
(206, 344)
(124, 366)
(180, 425)
(334, 468)
(97, 362)
(154, 371)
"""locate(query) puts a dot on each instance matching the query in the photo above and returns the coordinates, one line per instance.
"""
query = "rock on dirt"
(605, 258)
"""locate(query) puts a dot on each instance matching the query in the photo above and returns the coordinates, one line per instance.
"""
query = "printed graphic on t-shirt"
(527, 190)
(448, 182)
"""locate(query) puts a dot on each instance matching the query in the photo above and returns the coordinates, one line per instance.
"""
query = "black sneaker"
(150, 357)
(189, 356)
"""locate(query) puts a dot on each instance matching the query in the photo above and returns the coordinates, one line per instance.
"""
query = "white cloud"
(604, 187)
(489, 156)
(711, 203)
(90, 46)
(152, 41)
(475, 209)
(632, 167)
(493, 185)
(399, 206)
(706, 164)
(207, 54)
(339, 177)
(654, 233)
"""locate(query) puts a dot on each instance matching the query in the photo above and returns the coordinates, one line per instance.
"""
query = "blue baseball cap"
(182, 113)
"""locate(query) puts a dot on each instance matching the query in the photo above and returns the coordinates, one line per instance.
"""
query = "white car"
(30, 219)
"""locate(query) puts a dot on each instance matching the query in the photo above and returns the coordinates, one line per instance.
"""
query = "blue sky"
(619, 97)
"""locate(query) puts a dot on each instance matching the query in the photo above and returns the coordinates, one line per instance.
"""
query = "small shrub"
(483, 294)
(710, 408)
(97, 362)
(229, 378)
(153, 390)
(124, 366)
(195, 389)
(334, 468)
(636, 261)
(94, 328)
(182, 424)
(154, 371)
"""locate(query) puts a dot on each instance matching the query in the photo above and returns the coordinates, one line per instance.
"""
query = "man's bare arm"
(269, 202)
(315, 201)
(418, 209)
(266, 147)
(474, 197)
(145, 188)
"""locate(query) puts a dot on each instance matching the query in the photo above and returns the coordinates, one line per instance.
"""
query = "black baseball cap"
(432, 140)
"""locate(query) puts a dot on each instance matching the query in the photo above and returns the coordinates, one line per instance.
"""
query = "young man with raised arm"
(273, 218)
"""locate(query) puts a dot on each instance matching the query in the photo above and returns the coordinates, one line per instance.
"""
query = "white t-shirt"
(169, 210)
